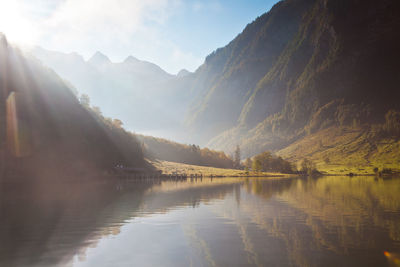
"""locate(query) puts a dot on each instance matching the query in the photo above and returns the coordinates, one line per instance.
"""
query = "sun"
(14, 23)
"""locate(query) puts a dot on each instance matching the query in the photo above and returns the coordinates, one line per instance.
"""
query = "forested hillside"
(162, 149)
(46, 132)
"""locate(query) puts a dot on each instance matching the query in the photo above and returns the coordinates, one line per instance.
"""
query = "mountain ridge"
(98, 58)
(321, 74)
(133, 84)
(302, 67)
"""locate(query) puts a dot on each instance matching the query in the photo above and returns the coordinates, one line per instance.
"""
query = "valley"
(200, 133)
(302, 68)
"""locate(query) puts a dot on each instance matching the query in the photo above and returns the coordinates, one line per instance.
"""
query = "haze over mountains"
(302, 67)
(44, 129)
(133, 91)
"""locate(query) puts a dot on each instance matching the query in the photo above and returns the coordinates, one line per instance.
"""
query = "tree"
(117, 123)
(266, 160)
(392, 122)
(195, 148)
(97, 111)
(308, 167)
(248, 163)
(237, 157)
(85, 100)
(256, 165)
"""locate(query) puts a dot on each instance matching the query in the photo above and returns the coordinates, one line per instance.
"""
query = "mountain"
(137, 92)
(302, 67)
(183, 73)
(45, 132)
(99, 59)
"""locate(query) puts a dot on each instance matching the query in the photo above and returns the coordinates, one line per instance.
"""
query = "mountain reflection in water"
(330, 221)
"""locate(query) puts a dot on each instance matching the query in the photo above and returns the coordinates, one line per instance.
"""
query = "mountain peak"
(183, 72)
(99, 59)
(131, 59)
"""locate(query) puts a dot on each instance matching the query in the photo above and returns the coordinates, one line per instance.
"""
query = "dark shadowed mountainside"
(46, 132)
(304, 66)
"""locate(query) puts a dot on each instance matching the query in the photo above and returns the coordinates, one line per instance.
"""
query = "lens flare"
(393, 258)
(18, 140)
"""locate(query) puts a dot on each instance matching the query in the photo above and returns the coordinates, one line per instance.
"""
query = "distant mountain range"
(297, 70)
(139, 93)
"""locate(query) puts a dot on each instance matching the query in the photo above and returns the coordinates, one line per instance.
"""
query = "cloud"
(209, 5)
(116, 27)
(118, 16)
(85, 23)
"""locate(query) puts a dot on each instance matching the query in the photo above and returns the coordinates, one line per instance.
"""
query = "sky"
(174, 34)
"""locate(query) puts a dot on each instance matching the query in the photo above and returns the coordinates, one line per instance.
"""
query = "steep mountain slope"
(302, 67)
(229, 75)
(46, 132)
(342, 150)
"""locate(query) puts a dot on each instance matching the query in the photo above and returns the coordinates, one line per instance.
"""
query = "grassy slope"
(168, 167)
(342, 150)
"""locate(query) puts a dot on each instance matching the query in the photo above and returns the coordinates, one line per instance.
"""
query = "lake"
(328, 221)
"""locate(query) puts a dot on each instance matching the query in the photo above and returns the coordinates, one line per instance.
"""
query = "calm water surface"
(330, 221)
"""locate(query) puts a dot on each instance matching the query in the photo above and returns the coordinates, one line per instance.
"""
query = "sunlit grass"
(345, 150)
(168, 167)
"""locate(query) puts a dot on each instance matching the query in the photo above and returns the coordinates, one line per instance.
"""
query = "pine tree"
(237, 157)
